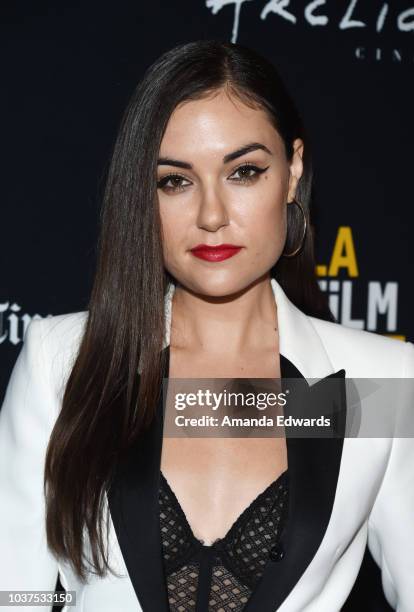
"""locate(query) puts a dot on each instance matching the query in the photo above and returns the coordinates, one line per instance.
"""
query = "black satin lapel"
(313, 468)
(133, 504)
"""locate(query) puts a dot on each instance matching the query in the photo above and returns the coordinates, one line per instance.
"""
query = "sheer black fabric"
(220, 577)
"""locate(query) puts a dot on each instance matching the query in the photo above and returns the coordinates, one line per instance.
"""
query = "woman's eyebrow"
(167, 161)
(248, 148)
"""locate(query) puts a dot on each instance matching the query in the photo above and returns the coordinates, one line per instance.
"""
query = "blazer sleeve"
(391, 522)
(26, 421)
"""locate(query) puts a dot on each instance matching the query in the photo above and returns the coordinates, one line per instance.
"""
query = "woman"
(211, 151)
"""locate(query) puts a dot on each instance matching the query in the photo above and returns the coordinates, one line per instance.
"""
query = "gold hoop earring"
(305, 226)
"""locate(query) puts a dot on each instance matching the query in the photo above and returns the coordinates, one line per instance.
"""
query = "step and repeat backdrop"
(67, 73)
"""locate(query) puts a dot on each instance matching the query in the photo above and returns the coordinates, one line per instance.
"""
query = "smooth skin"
(224, 317)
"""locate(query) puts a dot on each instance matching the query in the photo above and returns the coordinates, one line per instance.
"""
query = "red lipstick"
(215, 253)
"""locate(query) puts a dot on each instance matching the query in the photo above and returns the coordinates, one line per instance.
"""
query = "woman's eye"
(172, 182)
(247, 173)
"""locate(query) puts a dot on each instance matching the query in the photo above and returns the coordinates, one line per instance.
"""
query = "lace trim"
(239, 521)
(223, 574)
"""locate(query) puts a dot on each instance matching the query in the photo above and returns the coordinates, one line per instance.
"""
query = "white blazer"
(343, 491)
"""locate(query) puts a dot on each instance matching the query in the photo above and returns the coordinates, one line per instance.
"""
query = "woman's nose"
(213, 212)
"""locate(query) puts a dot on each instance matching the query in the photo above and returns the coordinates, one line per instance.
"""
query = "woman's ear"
(296, 167)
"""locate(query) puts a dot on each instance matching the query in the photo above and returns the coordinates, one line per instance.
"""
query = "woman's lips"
(216, 253)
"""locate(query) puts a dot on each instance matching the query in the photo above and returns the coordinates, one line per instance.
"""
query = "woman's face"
(212, 190)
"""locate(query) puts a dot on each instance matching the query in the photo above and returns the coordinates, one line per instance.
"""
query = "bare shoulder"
(364, 353)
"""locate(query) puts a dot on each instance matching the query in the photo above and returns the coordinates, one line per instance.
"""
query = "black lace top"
(220, 577)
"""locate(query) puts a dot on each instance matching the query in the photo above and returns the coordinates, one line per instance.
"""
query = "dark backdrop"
(67, 72)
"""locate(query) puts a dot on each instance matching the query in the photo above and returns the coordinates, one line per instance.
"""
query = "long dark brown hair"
(104, 409)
